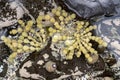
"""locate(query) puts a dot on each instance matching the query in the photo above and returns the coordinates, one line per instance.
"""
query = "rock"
(91, 8)
(108, 29)
(108, 78)
(8, 16)
(4, 51)
(3, 69)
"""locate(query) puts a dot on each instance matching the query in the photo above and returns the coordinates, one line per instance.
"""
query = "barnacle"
(50, 66)
(30, 38)
(73, 35)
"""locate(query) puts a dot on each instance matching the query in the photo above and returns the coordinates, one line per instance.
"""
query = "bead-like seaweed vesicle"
(72, 35)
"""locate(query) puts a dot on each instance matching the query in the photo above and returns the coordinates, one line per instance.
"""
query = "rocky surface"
(93, 8)
(108, 29)
(35, 65)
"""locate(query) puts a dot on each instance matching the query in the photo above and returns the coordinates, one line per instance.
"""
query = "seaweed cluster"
(72, 35)
(28, 39)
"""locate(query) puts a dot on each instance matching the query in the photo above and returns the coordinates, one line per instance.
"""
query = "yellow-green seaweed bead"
(64, 37)
(20, 45)
(61, 18)
(15, 44)
(73, 16)
(12, 56)
(26, 41)
(59, 8)
(86, 24)
(51, 34)
(40, 17)
(78, 54)
(65, 51)
(21, 37)
(19, 30)
(9, 40)
(19, 51)
(58, 27)
(87, 55)
(24, 34)
(84, 51)
(89, 59)
(62, 23)
(56, 23)
(75, 45)
(50, 29)
(32, 48)
(82, 22)
(20, 41)
(42, 30)
(65, 14)
(79, 27)
(104, 44)
(57, 13)
(69, 57)
(14, 31)
(47, 17)
(39, 26)
(30, 23)
(32, 43)
(92, 50)
(55, 39)
(68, 42)
(54, 11)
(71, 48)
(20, 21)
(52, 20)
(37, 44)
(25, 48)
(27, 28)
(37, 49)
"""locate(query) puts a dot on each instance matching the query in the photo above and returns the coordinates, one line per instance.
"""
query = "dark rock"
(8, 16)
(35, 6)
(109, 30)
(91, 8)
(3, 69)
(4, 51)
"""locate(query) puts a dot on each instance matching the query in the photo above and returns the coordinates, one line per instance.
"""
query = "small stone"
(1, 68)
(46, 56)
(40, 62)
(65, 62)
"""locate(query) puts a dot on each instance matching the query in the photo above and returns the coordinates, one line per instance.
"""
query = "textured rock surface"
(92, 8)
(33, 67)
(109, 30)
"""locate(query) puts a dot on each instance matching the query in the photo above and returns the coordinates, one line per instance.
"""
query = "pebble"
(45, 56)
(40, 62)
